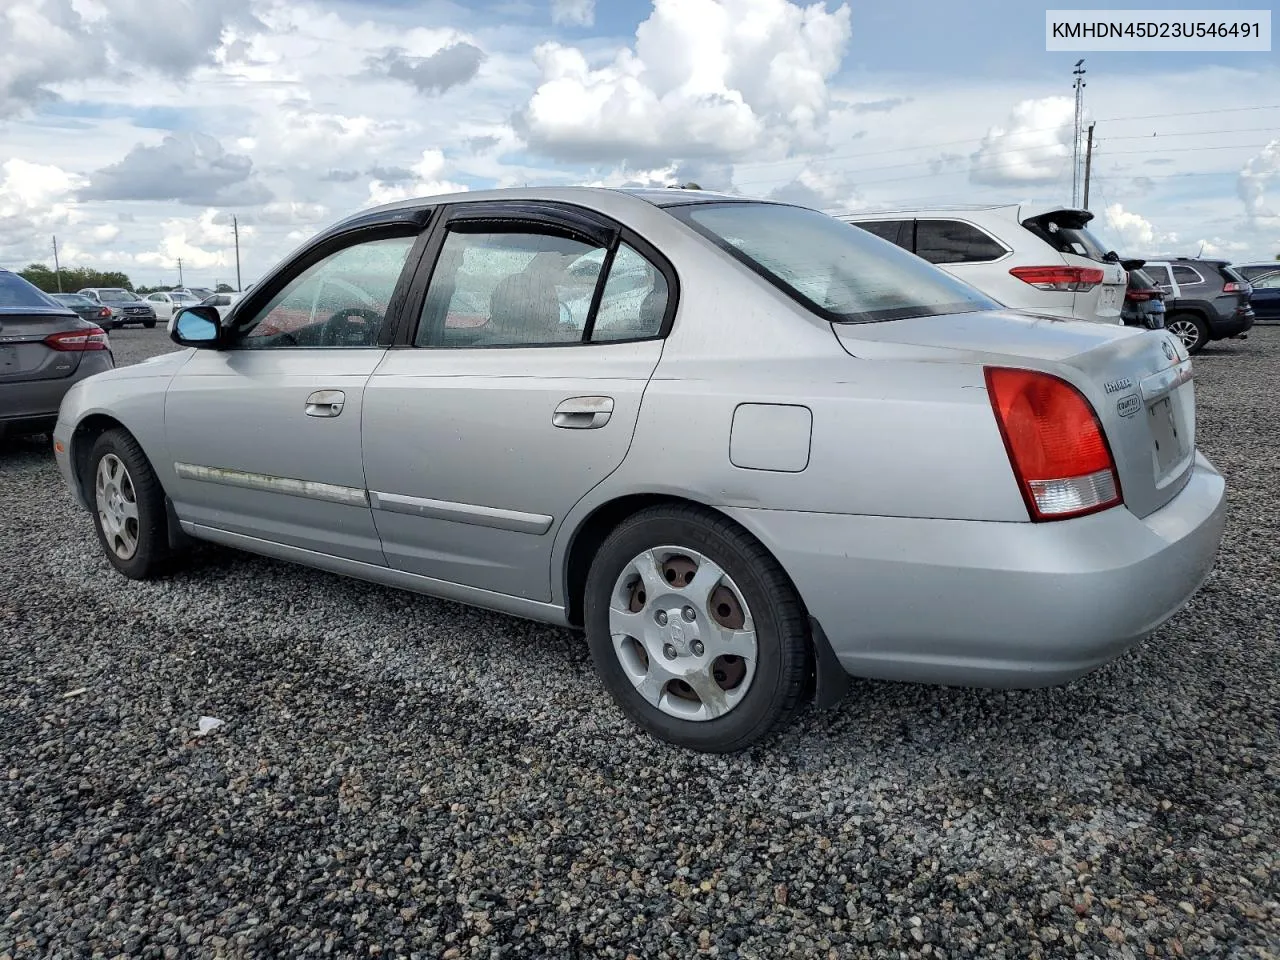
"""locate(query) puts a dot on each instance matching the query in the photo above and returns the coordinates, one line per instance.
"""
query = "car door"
(265, 432)
(515, 392)
(1266, 297)
(160, 303)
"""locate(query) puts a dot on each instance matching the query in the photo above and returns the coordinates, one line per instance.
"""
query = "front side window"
(1267, 281)
(341, 301)
(831, 267)
(1159, 274)
(952, 241)
(1186, 274)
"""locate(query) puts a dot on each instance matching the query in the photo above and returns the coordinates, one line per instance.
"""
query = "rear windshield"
(1067, 234)
(16, 292)
(117, 296)
(1141, 280)
(1231, 273)
(72, 299)
(835, 269)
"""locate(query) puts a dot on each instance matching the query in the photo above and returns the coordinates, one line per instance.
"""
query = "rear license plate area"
(1170, 446)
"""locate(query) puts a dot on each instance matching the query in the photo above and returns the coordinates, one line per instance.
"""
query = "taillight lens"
(1232, 287)
(1063, 279)
(1056, 446)
(104, 313)
(75, 341)
(1141, 296)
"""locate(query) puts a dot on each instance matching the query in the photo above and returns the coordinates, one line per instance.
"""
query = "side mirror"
(196, 327)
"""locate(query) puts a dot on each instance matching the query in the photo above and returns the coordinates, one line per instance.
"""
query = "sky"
(135, 130)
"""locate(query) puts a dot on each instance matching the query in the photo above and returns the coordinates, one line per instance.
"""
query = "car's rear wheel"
(1190, 329)
(695, 629)
(128, 506)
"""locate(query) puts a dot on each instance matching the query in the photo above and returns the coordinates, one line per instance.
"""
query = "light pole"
(1078, 73)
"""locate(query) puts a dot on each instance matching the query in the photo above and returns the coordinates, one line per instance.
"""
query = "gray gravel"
(398, 776)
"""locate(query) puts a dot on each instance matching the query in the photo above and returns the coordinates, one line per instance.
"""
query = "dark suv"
(1204, 300)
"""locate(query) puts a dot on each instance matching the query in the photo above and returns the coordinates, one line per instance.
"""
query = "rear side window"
(16, 292)
(1186, 274)
(951, 241)
(895, 231)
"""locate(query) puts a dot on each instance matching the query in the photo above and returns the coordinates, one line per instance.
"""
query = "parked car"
(1204, 300)
(1251, 271)
(803, 454)
(45, 348)
(164, 303)
(1038, 259)
(125, 305)
(1143, 299)
(222, 302)
(84, 308)
(200, 293)
(1265, 298)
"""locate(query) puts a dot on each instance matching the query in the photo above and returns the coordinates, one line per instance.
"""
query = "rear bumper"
(33, 404)
(1232, 326)
(995, 604)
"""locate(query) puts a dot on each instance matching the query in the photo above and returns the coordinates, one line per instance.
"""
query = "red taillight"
(104, 313)
(1064, 279)
(1141, 295)
(1055, 443)
(91, 338)
(1232, 287)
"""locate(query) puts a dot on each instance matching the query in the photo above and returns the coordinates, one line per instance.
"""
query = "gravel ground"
(398, 776)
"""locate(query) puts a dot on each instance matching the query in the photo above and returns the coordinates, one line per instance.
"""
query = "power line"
(950, 143)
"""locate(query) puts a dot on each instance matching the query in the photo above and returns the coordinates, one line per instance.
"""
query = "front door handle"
(583, 413)
(325, 403)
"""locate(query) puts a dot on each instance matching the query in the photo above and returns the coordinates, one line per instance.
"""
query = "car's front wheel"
(128, 506)
(149, 324)
(1190, 329)
(695, 629)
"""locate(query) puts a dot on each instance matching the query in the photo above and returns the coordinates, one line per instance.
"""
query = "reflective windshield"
(117, 296)
(842, 273)
(73, 299)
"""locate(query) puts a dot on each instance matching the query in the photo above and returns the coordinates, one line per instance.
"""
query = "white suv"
(1038, 259)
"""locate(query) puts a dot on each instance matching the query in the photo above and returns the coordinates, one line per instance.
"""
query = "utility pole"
(57, 268)
(1078, 73)
(1088, 165)
(180, 283)
(235, 225)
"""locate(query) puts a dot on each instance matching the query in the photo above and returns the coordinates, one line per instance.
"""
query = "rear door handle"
(583, 413)
(325, 403)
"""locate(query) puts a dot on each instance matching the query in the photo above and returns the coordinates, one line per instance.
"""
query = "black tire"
(152, 556)
(782, 639)
(1187, 322)
(149, 324)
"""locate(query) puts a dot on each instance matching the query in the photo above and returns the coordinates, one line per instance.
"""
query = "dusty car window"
(509, 289)
(17, 292)
(634, 299)
(841, 272)
(339, 302)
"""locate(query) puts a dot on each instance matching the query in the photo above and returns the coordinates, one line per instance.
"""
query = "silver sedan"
(749, 449)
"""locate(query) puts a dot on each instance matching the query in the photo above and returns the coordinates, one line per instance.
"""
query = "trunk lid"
(1138, 381)
(24, 356)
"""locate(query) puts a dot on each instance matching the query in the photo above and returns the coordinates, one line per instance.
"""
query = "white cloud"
(831, 191)
(428, 181)
(1259, 173)
(1132, 232)
(291, 212)
(1034, 146)
(34, 202)
(576, 13)
(201, 243)
(105, 232)
(706, 78)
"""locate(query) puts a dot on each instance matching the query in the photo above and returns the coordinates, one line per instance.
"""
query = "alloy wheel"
(117, 503)
(683, 633)
(1186, 331)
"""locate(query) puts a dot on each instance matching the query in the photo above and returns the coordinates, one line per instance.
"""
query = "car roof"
(1207, 261)
(1011, 211)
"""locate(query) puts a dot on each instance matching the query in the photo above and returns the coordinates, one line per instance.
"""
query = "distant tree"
(73, 278)
(225, 288)
(144, 290)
